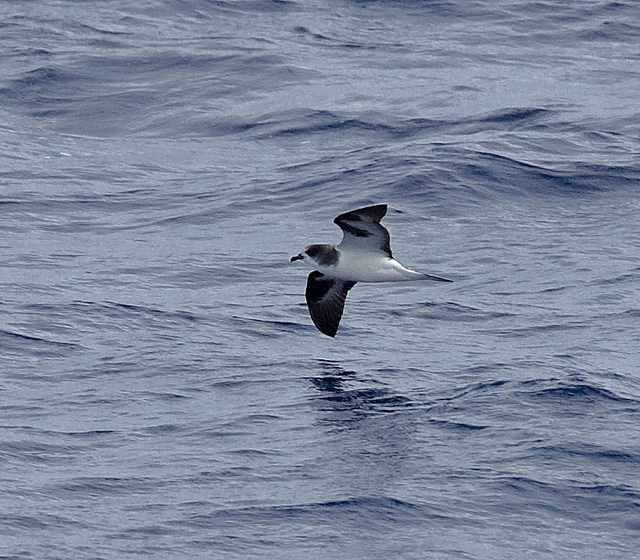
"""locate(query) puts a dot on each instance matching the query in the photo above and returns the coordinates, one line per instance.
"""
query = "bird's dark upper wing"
(325, 299)
(362, 230)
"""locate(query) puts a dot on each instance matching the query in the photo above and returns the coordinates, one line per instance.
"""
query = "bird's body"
(361, 266)
(364, 255)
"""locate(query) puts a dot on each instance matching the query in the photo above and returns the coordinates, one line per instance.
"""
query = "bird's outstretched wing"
(362, 230)
(325, 299)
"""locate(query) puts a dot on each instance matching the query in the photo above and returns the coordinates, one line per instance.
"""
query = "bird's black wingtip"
(373, 213)
(327, 330)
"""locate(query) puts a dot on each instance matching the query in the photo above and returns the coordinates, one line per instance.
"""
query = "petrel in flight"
(363, 256)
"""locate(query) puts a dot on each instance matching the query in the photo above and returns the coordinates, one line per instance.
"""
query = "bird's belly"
(369, 270)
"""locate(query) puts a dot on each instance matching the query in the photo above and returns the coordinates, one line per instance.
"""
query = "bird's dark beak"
(297, 258)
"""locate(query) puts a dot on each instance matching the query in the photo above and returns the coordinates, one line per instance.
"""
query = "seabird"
(364, 255)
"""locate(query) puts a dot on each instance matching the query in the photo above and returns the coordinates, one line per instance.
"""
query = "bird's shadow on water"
(347, 391)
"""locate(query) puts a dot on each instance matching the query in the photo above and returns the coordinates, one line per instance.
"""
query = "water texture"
(163, 391)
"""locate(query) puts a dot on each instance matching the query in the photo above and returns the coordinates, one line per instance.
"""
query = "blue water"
(163, 392)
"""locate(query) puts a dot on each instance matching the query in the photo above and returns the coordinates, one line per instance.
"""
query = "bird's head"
(308, 255)
(299, 257)
(318, 255)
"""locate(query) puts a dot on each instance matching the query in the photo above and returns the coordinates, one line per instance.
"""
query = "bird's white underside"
(367, 266)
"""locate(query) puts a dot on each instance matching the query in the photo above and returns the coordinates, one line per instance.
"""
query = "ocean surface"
(163, 391)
